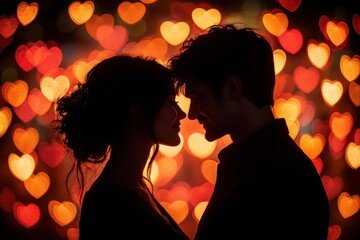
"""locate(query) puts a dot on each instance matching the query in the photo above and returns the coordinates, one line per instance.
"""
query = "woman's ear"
(233, 87)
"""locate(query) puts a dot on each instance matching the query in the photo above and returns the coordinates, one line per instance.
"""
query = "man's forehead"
(191, 87)
(195, 87)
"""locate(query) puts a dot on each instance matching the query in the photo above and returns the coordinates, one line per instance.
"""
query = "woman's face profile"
(167, 122)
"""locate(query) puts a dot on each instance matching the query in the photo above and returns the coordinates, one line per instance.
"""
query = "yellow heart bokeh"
(54, 88)
(21, 167)
(199, 210)
(279, 60)
(318, 54)
(352, 155)
(331, 91)
(287, 108)
(81, 68)
(205, 18)
(174, 33)
(199, 146)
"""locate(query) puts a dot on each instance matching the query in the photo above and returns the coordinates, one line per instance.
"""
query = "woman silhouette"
(118, 117)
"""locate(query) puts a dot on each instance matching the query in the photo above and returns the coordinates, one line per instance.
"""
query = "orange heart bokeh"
(348, 205)
(209, 170)
(130, 12)
(350, 67)
(26, 139)
(80, 12)
(354, 93)
(26, 12)
(15, 92)
(312, 145)
(337, 32)
(5, 119)
(276, 22)
(37, 184)
(62, 213)
(341, 124)
(177, 209)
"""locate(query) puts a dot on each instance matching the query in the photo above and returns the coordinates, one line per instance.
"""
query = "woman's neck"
(126, 164)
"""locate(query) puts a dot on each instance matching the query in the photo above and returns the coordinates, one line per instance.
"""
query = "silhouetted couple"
(266, 186)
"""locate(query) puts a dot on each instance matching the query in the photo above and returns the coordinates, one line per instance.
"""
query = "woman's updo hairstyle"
(96, 113)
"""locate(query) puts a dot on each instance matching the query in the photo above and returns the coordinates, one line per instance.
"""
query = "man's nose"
(193, 112)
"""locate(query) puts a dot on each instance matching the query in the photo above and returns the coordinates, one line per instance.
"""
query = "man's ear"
(233, 87)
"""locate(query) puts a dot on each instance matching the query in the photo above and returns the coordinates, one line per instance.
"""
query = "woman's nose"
(181, 114)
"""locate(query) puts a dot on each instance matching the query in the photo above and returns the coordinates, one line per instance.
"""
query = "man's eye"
(194, 98)
(174, 102)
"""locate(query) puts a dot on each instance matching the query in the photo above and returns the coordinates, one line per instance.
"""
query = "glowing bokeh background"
(46, 47)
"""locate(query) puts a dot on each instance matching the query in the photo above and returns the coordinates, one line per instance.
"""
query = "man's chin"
(210, 136)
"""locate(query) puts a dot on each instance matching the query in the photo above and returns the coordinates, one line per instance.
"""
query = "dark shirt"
(114, 212)
(266, 188)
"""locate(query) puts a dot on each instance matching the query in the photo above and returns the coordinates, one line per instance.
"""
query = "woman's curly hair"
(95, 114)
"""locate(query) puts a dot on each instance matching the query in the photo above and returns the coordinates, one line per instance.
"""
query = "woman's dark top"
(113, 212)
(266, 188)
